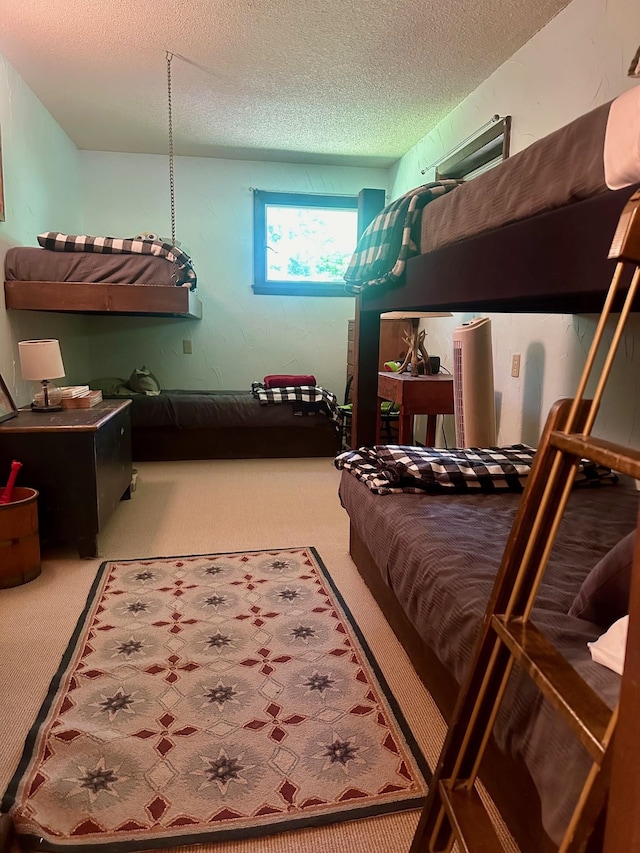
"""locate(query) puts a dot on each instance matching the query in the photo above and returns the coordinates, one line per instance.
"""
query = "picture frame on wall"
(8, 408)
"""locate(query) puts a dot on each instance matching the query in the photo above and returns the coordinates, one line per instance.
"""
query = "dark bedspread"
(440, 554)
(212, 409)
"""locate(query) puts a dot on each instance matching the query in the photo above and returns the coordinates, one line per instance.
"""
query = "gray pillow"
(143, 381)
(604, 595)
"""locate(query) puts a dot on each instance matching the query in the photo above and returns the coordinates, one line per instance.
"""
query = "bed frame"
(554, 262)
(102, 298)
(171, 444)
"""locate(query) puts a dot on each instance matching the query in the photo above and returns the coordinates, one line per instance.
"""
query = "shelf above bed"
(102, 298)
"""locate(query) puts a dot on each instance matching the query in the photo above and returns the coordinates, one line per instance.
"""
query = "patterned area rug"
(208, 698)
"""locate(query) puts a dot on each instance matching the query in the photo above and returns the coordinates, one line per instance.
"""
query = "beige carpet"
(201, 507)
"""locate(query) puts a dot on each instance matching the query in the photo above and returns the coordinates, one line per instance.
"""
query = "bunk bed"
(553, 259)
(88, 282)
(542, 248)
(226, 425)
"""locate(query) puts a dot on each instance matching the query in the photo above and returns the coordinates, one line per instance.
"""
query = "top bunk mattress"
(596, 152)
(25, 263)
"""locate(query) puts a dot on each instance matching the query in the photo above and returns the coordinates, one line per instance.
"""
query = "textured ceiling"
(316, 81)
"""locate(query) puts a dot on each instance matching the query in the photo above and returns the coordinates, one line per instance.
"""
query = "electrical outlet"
(186, 346)
(515, 365)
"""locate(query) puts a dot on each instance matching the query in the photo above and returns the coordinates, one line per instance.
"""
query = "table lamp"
(42, 361)
(414, 338)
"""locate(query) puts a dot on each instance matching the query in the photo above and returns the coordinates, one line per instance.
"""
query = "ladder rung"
(559, 682)
(615, 456)
(469, 820)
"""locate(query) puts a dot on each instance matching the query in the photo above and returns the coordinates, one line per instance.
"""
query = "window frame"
(262, 198)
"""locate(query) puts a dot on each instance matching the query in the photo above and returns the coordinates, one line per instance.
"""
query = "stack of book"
(82, 400)
(73, 390)
(71, 397)
(63, 392)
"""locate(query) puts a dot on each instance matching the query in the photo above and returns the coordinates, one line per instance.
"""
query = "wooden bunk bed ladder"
(454, 810)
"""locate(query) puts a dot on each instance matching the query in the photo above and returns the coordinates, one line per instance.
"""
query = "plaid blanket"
(393, 469)
(184, 274)
(383, 249)
(307, 399)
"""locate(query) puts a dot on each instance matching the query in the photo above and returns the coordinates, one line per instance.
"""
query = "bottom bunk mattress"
(439, 554)
(180, 424)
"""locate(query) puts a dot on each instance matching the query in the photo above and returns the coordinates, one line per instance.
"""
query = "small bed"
(40, 279)
(182, 424)
(552, 257)
(430, 561)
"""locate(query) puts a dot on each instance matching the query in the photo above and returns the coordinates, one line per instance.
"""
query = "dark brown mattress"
(439, 556)
(178, 424)
(24, 263)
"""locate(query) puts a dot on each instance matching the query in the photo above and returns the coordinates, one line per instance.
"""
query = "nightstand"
(79, 460)
(415, 395)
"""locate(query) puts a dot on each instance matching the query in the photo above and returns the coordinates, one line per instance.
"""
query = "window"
(478, 154)
(475, 155)
(302, 244)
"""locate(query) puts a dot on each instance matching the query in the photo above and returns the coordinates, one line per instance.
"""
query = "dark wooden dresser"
(79, 460)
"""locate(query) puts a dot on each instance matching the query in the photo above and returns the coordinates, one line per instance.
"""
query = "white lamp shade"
(41, 359)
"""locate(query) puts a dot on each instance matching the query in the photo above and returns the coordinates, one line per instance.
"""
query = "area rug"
(209, 698)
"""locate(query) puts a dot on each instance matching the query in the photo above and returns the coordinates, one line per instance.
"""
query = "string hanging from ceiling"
(172, 188)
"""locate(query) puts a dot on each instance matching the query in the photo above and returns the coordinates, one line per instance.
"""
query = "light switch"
(186, 346)
(515, 365)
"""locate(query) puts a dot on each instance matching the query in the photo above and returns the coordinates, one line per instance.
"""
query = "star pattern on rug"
(221, 694)
(97, 780)
(115, 703)
(320, 683)
(223, 770)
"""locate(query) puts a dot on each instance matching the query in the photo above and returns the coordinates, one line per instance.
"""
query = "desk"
(79, 460)
(416, 395)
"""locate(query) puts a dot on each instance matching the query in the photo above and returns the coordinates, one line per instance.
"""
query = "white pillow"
(609, 649)
(622, 141)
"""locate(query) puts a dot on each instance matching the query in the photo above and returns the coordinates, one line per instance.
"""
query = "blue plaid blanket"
(383, 249)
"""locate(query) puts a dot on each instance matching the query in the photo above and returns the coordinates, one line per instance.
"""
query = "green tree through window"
(303, 243)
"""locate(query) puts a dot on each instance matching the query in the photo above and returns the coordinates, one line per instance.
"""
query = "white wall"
(41, 193)
(241, 337)
(578, 61)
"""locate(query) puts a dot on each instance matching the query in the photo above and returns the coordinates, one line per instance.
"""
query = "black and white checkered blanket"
(307, 399)
(383, 249)
(393, 469)
(183, 275)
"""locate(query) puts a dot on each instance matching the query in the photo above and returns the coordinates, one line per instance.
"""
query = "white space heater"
(474, 403)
